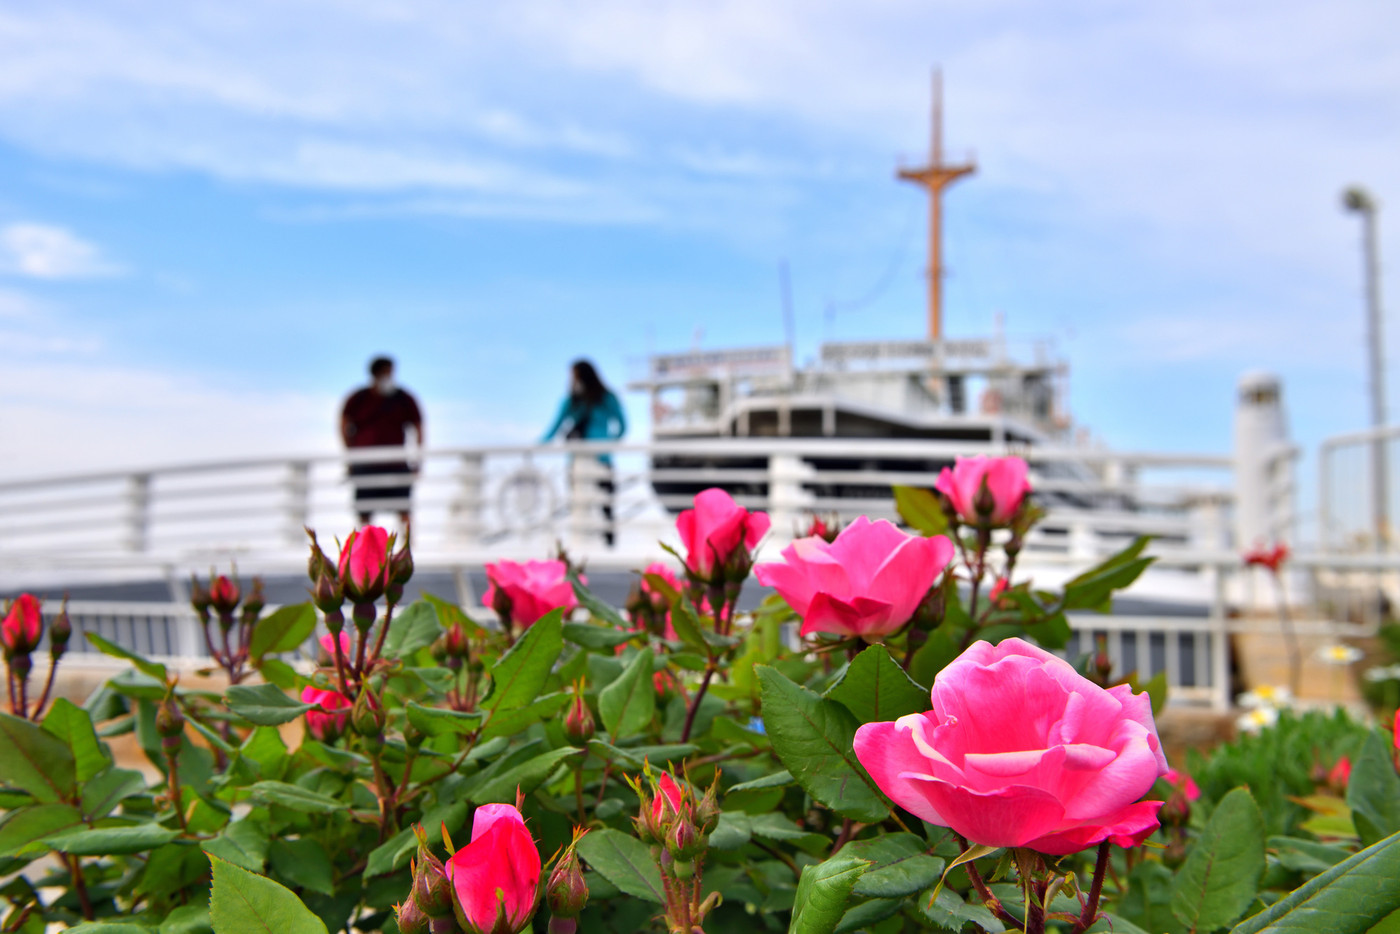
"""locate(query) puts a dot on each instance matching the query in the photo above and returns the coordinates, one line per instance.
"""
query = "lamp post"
(1359, 200)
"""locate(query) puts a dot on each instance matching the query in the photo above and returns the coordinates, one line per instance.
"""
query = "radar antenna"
(934, 177)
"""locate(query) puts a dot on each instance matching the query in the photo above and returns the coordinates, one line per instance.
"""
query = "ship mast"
(934, 177)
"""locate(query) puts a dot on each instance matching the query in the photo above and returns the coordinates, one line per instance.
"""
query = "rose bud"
(223, 596)
(170, 725)
(684, 842)
(456, 643)
(713, 531)
(567, 892)
(60, 631)
(328, 594)
(411, 919)
(317, 564)
(23, 626)
(253, 603)
(667, 806)
(496, 877)
(578, 722)
(326, 726)
(199, 599)
(364, 564)
(367, 717)
(646, 830)
(431, 890)
(401, 565)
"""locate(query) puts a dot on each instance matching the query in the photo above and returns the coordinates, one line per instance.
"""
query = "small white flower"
(1383, 673)
(1339, 654)
(1258, 719)
(1265, 696)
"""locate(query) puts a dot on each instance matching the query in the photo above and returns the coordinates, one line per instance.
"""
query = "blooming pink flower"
(1007, 483)
(23, 626)
(534, 588)
(328, 644)
(496, 877)
(867, 583)
(1022, 750)
(1271, 558)
(715, 530)
(328, 726)
(1183, 783)
(363, 558)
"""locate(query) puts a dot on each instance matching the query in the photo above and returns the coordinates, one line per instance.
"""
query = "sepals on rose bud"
(199, 599)
(431, 891)
(401, 565)
(364, 564)
(367, 716)
(170, 725)
(60, 631)
(566, 893)
(578, 722)
(411, 918)
(254, 602)
(23, 626)
(224, 596)
(328, 594)
(684, 841)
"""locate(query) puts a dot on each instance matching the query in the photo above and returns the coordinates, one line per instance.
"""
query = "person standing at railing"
(591, 412)
(379, 415)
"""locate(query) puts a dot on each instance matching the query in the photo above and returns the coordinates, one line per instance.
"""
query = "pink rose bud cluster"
(719, 536)
(820, 528)
(496, 877)
(867, 583)
(236, 615)
(648, 605)
(523, 592)
(1020, 750)
(985, 492)
(20, 634)
(327, 724)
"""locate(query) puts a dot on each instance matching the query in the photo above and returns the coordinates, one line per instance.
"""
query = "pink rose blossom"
(715, 530)
(328, 644)
(23, 625)
(1022, 750)
(867, 583)
(328, 726)
(363, 560)
(496, 877)
(534, 588)
(1183, 783)
(1007, 483)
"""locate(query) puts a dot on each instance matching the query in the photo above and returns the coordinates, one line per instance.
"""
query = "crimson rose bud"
(578, 722)
(223, 595)
(364, 564)
(23, 626)
(496, 877)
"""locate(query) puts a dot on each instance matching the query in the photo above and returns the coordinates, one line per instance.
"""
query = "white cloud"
(44, 251)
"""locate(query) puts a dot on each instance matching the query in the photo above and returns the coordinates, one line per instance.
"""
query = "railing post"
(138, 511)
(586, 497)
(467, 506)
(787, 500)
(1083, 548)
(298, 508)
(1220, 646)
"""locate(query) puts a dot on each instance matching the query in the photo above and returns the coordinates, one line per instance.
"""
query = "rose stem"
(1091, 907)
(992, 902)
(699, 696)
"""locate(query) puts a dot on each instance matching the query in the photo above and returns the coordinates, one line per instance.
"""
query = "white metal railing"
(1347, 490)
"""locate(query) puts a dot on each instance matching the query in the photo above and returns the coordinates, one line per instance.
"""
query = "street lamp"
(1359, 200)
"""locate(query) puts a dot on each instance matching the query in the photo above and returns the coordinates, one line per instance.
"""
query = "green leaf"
(187, 919)
(35, 760)
(920, 509)
(812, 736)
(283, 630)
(415, 628)
(500, 788)
(279, 673)
(629, 703)
(1347, 899)
(822, 894)
(242, 902)
(73, 726)
(598, 608)
(624, 861)
(521, 673)
(1092, 589)
(146, 666)
(100, 796)
(109, 927)
(511, 722)
(295, 798)
(436, 721)
(900, 865)
(103, 841)
(394, 852)
(1221, 875)
(935, 654)
(264, 704)
(24, 829)
(596, 637)
(303, 862)
(243, 842)
(875, 688)
(632, 758)
(1373, 792)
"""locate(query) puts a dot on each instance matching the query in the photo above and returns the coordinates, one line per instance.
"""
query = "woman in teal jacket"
(591, 412)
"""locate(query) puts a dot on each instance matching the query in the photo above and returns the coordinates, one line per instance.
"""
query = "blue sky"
(211, 215)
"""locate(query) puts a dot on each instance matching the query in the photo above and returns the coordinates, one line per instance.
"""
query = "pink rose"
(363, 561)
(496, 877)
(1183, 783)
(533, 588)
(328, 644)
(662, 570)
(868, 582)
(224, 594)
(1006, 481)
(714, 532)
(1022, 750)
(1271, 558)
(1340, 775)
(328, 726)
(23, 626)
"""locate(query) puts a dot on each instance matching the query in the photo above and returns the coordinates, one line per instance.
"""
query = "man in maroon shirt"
(377, 416)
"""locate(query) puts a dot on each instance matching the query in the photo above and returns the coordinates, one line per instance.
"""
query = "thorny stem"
(979, 569)
(695, 701)
(48, 687)
(24, 697)
(14, 703)
(340, 664)
(173, 781)
(991, 901)
(383, 631)
(1091, 907)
